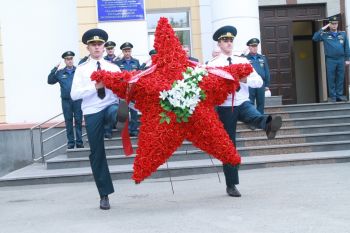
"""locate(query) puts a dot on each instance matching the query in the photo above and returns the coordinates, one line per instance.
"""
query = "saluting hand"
(326, 26)
(347, 62)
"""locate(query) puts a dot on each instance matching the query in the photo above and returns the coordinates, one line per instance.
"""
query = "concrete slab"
(313, 198)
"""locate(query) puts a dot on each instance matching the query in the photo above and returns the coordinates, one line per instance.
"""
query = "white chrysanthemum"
(186, 93)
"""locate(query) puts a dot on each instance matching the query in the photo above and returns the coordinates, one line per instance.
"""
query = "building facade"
(32, 41)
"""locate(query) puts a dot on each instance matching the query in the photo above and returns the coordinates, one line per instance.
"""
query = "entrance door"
(276, 26)
(277, 39)
(304, 63)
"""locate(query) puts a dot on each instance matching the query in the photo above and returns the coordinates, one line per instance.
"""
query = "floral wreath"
(177, 98)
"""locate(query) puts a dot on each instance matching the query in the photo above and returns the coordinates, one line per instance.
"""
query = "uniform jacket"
(129, 65)
(83, 88)
(336, 46)
(253, 80)
(113, 60)
(260, 65)
(64, 78)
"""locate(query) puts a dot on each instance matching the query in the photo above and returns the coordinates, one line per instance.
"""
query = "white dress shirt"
(253, 80)
(83, 88)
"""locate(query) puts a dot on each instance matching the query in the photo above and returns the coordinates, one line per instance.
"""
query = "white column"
(347, 24)
(347, 14)
(244, 15)
(206, 28)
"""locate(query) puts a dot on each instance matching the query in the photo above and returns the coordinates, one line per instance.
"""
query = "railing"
(43, 140)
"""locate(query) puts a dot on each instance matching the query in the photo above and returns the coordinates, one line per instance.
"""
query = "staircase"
(310, 133)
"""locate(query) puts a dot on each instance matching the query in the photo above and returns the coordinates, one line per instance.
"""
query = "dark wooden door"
(277, 47)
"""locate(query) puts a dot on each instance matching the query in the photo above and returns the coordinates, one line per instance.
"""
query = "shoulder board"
(240, 55)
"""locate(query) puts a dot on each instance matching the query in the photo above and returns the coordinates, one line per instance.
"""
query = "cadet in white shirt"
(99, 106)
(243, 109)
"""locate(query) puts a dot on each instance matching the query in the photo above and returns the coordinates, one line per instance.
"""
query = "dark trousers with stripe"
(95, 128)
(246, 113)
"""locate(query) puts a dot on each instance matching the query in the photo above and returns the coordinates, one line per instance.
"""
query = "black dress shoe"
(233, 191)
(70, 147)
(104, 203)
(80, 146)
(273, 126)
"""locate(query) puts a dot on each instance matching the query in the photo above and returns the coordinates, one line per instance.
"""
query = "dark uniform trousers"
(247, 113)
(260, 65)
(335, 76)
(258, 94)
(95, 128)
(73, 109)
(130, 65)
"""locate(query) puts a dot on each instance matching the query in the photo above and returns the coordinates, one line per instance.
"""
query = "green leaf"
(167, 119)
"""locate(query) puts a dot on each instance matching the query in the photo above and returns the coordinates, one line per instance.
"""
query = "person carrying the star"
(243, 110)
(101, 108)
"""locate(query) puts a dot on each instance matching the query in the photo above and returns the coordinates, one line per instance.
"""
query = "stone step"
(81, 159)
(297, 122)
(313, 106)
(244, 133)
(313, 113)
(292, 130)
(38, 174)
(241, 142)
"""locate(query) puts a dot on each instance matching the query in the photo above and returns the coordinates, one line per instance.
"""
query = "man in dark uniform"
(109, 45)
(259, 62)
(100, 108)
(147, 64)
(243, 109)
(130, 64)
(337, 52)
(71, 109)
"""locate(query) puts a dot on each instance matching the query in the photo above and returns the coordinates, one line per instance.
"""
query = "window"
(178, 20)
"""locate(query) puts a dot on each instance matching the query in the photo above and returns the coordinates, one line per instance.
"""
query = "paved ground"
(314, 198)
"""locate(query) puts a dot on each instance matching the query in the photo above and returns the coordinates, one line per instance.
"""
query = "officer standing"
(147, 64)
(259, 62)
(99, 107)
(243, 109)
(71, 109)
(109, 45)
(337, 52)
(130, 64)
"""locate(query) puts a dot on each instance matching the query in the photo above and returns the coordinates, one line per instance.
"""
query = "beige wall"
(87, 19)
(193, 6)
(333, 6)
(2, 93)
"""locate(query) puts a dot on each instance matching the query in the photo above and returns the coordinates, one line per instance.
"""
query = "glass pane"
(183, 35)
(176, 19)
(302, 28)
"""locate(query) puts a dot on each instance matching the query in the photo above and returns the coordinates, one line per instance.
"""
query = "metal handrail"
(44, 140)
(39, 126)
